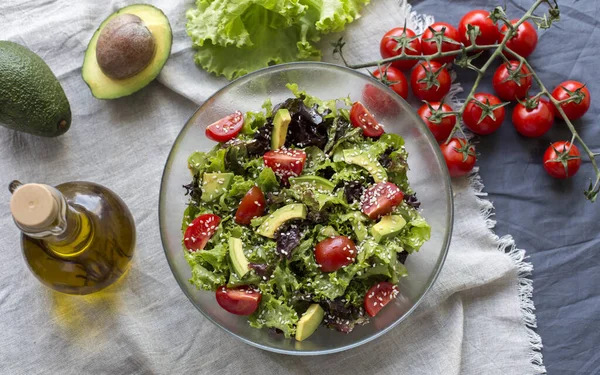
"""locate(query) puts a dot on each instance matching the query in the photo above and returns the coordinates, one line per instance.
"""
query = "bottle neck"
(68, 232)
(75, 234)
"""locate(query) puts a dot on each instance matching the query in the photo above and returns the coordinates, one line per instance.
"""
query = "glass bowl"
(428, 176)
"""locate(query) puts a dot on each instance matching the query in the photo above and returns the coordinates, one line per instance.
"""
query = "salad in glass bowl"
(301, 215)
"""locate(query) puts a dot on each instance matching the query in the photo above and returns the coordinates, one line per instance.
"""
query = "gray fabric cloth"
(548, 217)
(470, 323)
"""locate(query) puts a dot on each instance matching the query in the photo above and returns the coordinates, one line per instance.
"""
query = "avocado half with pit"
(127, 51)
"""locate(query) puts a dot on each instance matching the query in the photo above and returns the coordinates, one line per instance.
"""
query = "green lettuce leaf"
(267, 181)
(235, 37)
(205, 279)
(415, 234)
(274, 312)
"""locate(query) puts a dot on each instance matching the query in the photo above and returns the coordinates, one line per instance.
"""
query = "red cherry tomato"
(379, 100)
(226, 128)
(240, 301)
(560, 161)
(573, 110)
(200, 231)
(430, 47)
(394, 78)
(488, 31)
(389, 46)
(378, 296)
(252, 205)
(360, 117)
(433, 75)
(442, 129)
(472, 116)
(285, 162)
(459, 156)
(380, 199)
(533, 122)
(508, 89)
(334, 253)
(524, 42)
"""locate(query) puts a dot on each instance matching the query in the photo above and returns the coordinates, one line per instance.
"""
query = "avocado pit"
(125, 47)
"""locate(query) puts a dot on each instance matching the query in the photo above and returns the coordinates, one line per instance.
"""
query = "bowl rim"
(445, 244)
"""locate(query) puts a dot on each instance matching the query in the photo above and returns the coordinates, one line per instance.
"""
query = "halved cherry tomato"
(252, 205)
(430, 82)
(430, 47)
(380, 199)
(524, 42)
(442, 129)
(226, 128)
(285, 162)
(394, 79)
(378, 296)
(360, 117)
(533, 122)
(562, 160)
(242, 300)
(573, 110)
(488, 31)
(459, 156)
(481, 121)
(199, 231)
(504, 81)
(390, 47)
(334, 253)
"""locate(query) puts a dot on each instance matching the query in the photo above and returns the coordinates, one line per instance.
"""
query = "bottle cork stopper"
(34, 206)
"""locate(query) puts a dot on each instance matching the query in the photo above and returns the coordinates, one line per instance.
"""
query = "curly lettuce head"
(233, 38)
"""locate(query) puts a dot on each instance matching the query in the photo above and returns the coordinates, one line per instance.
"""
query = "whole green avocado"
(31, 98)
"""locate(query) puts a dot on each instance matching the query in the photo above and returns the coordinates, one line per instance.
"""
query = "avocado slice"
(238, 259)
(31, 98)
(105, 87)
(388, 226)
(316, 182)
(309, 322)
(363, 159)
(280, 127)
(214, 185)
(280, 216)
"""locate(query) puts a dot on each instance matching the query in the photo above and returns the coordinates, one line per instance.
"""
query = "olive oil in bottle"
(78, 237)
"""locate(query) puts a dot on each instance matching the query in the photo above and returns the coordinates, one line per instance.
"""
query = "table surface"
(549, 218)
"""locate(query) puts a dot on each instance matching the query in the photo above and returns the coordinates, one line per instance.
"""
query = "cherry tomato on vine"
(484, 114)
(510, 82)
(450, 40)
(488, 31)
(459, 155)
(394, 78)
(226, 128)
(334, 253)
(562, 160)
(242, 300)
(524, 42)
(534, 117)
(394, 40)
(431, 81)
(577, 108)
(440, 126)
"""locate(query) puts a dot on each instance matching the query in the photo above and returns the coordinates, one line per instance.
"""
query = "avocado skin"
(31, 98)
